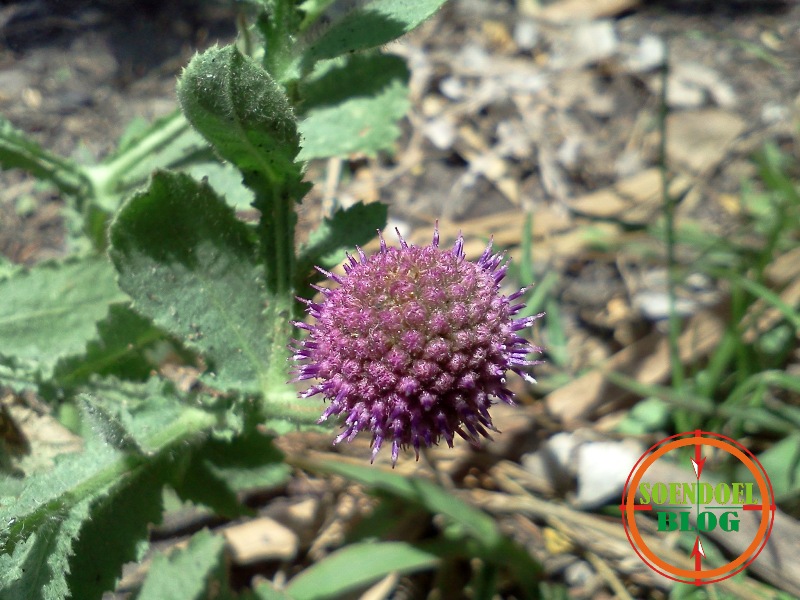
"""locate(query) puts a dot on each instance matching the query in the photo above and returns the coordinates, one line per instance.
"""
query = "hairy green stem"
(106, 177)
(277, 237)
(190, 423)
(279, 28)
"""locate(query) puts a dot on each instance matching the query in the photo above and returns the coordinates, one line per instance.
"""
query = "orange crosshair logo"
(716, 505)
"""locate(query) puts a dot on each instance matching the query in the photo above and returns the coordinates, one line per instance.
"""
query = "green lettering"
(728, 524)
(644, 492)
(737, 493)
(659, 492)
(722, 493)
(705, 493)
(706, 521)
(748, 488)
(674, 498)
(689, 493)
(667, 520)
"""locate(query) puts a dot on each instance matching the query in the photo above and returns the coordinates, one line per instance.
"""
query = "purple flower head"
(414, 345)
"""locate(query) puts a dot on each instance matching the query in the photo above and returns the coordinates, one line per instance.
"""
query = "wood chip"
(259, 540)
(699, 140)
(636, 200)
(583, 10)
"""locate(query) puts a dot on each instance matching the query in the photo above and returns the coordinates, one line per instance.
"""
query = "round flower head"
(414, 345)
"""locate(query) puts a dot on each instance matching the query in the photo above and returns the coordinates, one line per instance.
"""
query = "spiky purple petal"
(414, 344)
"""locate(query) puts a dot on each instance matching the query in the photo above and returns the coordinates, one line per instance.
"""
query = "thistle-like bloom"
(414, 345)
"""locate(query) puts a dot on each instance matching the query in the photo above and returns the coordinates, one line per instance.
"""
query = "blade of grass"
(556, 337)
(767, 295)
(702, 406)
(357, 566)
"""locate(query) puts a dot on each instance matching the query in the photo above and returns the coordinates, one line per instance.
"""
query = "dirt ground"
(526, 106)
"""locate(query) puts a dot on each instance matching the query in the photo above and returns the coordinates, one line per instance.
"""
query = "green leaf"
(139, 417)
(313, 10)
(119, 350)
(70, 529)
(247, 462)
(244, 113)
(16, 376)
(219, 469)
(107, 426)
(48, 494)
(348, 228)
(357, 566)
(193, 573)
(189, 265)
(38, 567)
(88, 475)
(340, 79)
(98, 556)
(782, 463)
(353, 105)
(373, 24)
(49, 311)
(20, 152)
(266, 591)
(241, 110)
(92, 493)
(8, 268)
(226, 181)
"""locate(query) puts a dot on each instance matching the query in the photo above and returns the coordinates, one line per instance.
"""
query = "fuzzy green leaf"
(66, 513)
(357, 566)
(98, 556)
(119, 350)
(194, 573)
(50, 311)
(241, 110)
(87, 475)
(226, 181)
(373, 24)
(38, 567)
(353, 105)
(219, 469)
(18, 376)
(189, 265)
(347, 228)
(47, 494)
(107, 425)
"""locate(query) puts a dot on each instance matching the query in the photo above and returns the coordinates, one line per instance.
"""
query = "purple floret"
(414, 345)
